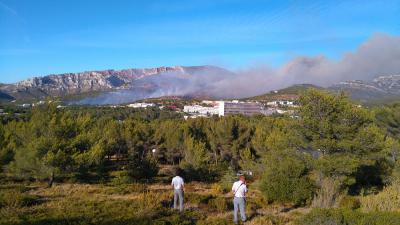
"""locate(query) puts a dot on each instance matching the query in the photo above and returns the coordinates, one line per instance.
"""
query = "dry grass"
(102, 204)
(387, 200)
(328, 195)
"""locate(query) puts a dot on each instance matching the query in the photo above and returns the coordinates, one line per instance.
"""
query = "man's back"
(177, 182)
(240, 189)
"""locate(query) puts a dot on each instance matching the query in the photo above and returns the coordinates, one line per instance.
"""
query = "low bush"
(350, 202)
(123, 184)
(218, 204)
(386, 200)
(259, 201)
(195, 198)
(141, 168)
(120, 178)
(269, 220)
(167, 171)
(348, 217)
(285, 179)
(170, 217)
(227, 180)
(202, 174)
(328, 195)
(216, 189)
(214, 221)
(15, 199)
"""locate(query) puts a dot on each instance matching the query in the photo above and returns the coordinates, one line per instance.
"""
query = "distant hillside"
(118, 86)
(4, 96)
(288, 93)
(380, 89)
(189, 82)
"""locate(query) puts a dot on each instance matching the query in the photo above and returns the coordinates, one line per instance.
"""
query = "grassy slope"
(289, 93)
(293, 92)
(112, 203)
(131, 204)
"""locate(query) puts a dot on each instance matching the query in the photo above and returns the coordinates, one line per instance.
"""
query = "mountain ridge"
(127, 85)
(387, 86)
(64, 84)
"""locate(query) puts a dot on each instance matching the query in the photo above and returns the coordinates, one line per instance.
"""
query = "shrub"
(322, 217)
(214, 221)
(120, 178)
(172, 218)
(227, 180)
(386, 200)
(167, 171)
(218, 204)
(350, 202)
(285, 179)
(205, 174)
(348, 217)
(16, 199)
(139, 169)
(150, 200)
(269, 220)
(123, 189)
(216, 189)
(195, 198)
(328, 195)
(259, 201)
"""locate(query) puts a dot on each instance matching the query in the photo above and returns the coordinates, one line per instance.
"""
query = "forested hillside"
(335, 159)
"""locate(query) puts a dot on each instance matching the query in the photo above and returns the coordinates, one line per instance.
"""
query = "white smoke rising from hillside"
(380, 55)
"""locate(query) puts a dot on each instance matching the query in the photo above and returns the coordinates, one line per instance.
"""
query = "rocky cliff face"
(121, 86)
(390, 84)
(61, 85)
(382, 86)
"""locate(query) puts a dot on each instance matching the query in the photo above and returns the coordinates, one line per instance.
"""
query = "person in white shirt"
(178, 185)
(239, 190)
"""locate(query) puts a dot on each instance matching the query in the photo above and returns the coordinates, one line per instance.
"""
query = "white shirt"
(177, 182)
(240, 189)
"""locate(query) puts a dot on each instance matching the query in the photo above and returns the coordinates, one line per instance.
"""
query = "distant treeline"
(330, 140)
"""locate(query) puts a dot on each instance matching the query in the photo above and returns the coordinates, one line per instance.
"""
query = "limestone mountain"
(378, 88)
(138, 82)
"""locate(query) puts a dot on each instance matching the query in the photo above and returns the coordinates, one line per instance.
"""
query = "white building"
(236, 107)
(141, 105)
(281, 103)
(223, 108)
(198, 109)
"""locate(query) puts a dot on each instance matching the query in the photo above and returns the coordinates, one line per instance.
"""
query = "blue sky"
(40, 37)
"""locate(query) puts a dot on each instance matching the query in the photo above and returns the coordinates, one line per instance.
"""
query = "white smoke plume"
(380, 55)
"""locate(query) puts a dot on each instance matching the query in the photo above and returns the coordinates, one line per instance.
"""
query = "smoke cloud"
(380, 55)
